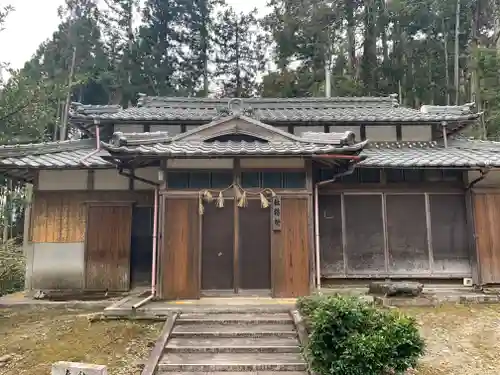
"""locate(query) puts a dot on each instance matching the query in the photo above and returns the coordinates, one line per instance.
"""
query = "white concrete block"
(76, 368)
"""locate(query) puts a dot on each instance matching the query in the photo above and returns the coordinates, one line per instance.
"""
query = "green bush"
(350, 337)
(12, 267)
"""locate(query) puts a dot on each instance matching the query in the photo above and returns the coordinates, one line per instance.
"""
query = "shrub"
(350, 337)
(12, 267)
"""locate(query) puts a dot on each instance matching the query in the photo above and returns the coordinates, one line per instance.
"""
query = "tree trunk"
(474, 57)
(351, 41)
(457, 54)
(446, 64)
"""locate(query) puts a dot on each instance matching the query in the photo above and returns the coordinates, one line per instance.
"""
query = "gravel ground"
(461, 340)
(32, 338)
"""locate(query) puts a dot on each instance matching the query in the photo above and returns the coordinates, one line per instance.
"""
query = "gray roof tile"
(428, 154)
(159, 143)
(65, 154)
(199, 148)
(340, 109)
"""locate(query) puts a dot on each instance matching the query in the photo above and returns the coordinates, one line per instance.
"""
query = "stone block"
(391, 289)
(76, 368)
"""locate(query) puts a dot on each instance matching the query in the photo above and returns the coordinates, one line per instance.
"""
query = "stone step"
(233, 330)
(234, 373)
(240, 318)
(208, 362)
(233, 345)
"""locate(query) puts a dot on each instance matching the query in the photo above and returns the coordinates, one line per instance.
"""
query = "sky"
(34, 21)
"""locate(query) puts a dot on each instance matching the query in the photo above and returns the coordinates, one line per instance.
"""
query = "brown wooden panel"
(61, 216)
(290, 250)
(180, 249)
(450, 245)
(364, 234)
(108, 248)
(407, 234)
(255, 246)
(486, 219)
(217, 255)
(330, 235)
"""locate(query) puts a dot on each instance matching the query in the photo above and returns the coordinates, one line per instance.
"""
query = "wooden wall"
(60, 217)
(394, 234)
(487, 235)
(180, 249)
(290, 250)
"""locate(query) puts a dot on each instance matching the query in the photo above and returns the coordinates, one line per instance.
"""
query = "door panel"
(255, 246)
(180, 249)
(217, 247)
(290, 250)
(486, 219)
(108, 248)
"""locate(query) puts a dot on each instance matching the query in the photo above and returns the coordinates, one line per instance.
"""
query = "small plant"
(350, 337)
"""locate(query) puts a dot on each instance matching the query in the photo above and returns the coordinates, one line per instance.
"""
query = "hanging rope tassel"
(220, 200)
(264, 203)
(208, 196)
(242, 202)
(237, 192)
(201, 209)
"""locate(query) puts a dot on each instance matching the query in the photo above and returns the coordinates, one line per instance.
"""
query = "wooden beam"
(236, 244)
(159, 348)
(428, 224)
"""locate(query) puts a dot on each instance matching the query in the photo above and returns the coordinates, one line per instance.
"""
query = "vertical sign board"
(276, 213)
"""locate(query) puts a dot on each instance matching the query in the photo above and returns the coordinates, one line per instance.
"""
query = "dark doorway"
(142, 246)
(255, 247)
(217, 258)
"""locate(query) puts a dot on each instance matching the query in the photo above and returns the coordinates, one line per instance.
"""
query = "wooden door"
(217, 252)
(290, 250)
(108, 247)
(180, 249)
(487, 233)
(254, 247)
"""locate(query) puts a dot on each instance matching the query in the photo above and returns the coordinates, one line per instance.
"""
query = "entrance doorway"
(236, 259)
(255, 247)
(217, 257)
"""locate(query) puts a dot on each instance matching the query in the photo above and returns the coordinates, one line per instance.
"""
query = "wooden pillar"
(311, 213)
(236, 247)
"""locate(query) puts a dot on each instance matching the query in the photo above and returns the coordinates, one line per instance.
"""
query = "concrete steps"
(233, 344)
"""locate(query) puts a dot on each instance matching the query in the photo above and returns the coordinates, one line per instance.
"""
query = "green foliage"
(351, 337)
(239, 52)
(12, 267)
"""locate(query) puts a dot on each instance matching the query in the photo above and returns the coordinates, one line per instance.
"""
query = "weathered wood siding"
(180, 255)
(61, 217)
(391, 234)
(108, 247)
(487, 219)
(290, 250)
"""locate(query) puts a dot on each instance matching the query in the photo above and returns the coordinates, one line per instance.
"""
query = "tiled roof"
(159, 143)
(64, 154)
(200, 148)
(339, 109)
(429, 154)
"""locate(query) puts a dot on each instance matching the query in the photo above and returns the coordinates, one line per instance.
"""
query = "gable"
(236, 125)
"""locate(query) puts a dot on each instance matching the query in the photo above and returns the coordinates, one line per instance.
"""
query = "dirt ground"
(461, 340)
(35, 337)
